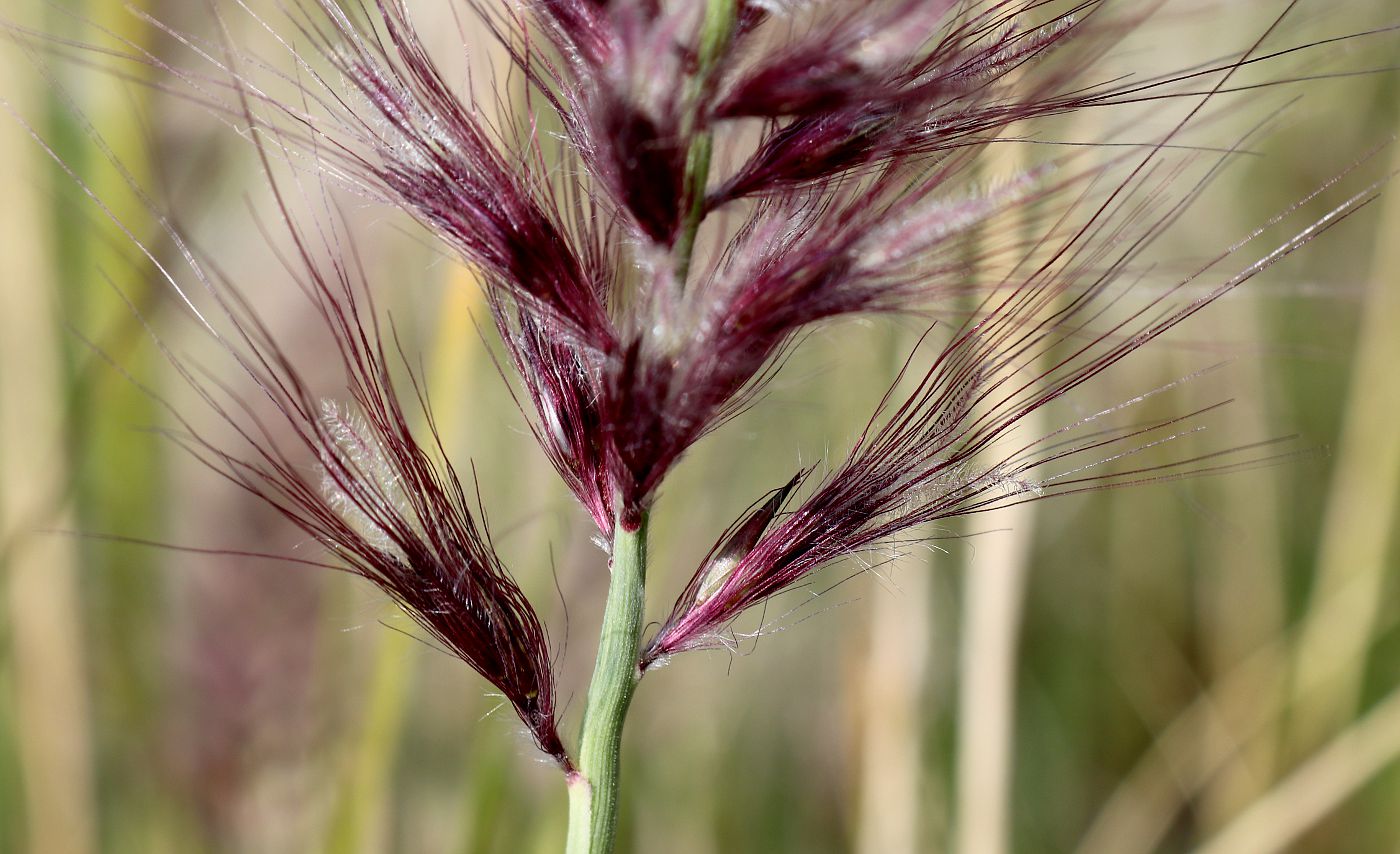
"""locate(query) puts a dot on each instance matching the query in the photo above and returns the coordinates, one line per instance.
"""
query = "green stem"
(593, 788)
(718, 29)
(697, 178)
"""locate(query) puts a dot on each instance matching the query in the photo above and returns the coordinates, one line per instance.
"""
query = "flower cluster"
(688, 189)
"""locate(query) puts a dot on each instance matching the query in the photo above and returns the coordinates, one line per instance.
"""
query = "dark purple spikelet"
(373, 111)
(849, 55)
(564, 385)
(355, 478)
(616, 76)
(437, 160)
(394, 129)
(914, 77)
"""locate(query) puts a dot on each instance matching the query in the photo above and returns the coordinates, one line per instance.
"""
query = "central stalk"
(715, 34)
(593, 788)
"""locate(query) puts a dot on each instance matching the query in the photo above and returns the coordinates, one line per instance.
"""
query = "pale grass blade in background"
(1352, 570)
(45, 633)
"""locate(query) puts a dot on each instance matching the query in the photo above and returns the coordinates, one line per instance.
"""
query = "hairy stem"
(593, 788)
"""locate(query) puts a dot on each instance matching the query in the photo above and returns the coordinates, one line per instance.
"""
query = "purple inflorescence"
(823, 154)
(853, 194)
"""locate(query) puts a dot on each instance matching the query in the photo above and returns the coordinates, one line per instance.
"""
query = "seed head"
(386, 504)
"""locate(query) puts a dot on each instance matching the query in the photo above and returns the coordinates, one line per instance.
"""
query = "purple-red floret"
(565, 386)
(354, 476)
(431, 154)
(642, 160)
(616, 77)
(919, 80)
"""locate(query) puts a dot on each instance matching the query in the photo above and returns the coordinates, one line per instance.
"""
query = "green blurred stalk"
(891, 810)
(1330, 659)
(114, 473)
(1243, 591)
(1242, 594)
(993, 602)
(52, 706)
(593, 788)
(356, 826)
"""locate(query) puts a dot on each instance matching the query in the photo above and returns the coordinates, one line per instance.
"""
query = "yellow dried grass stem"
(996, 572)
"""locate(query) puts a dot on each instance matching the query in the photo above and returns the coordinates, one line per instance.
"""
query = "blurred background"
(1209, 665)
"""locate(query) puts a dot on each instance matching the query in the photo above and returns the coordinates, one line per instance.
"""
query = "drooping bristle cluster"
(390, 507)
